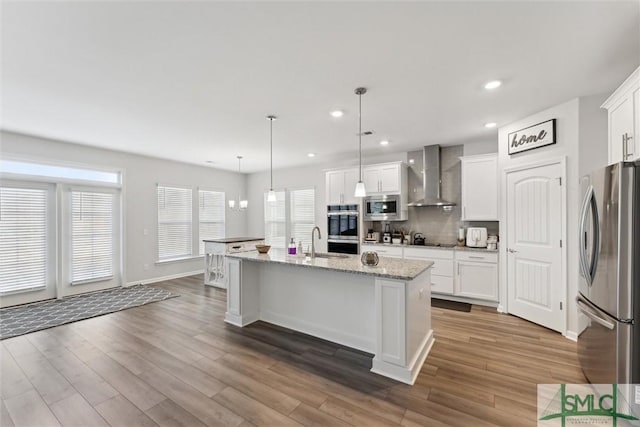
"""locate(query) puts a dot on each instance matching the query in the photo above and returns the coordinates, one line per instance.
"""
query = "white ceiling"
(193, 81)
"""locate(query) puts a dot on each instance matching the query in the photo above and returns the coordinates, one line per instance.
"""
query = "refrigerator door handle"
(585, 309)
(595, 251)
(582, 253)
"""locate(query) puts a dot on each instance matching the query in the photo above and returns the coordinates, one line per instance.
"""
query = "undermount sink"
(327, 255)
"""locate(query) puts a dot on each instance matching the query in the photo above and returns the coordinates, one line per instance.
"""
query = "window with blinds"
(211, 218)
(275, 223)
(175, 238)
(302, 215)
(23, 239)
(92, 236)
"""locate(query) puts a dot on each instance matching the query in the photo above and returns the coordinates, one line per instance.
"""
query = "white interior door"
(535, 284)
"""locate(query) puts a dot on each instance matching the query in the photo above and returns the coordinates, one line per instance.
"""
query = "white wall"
(579, 130)
(141, 175)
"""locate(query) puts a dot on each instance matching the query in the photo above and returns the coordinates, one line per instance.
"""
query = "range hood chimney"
(431, 179)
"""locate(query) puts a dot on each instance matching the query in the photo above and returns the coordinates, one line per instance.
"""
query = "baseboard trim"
(405, 374)
(572, 335)
(163, 278)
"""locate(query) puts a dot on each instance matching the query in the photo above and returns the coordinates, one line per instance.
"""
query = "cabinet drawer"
(441, 267)
(384, 251)
(441, 284)
(477, 256)
(428, 254)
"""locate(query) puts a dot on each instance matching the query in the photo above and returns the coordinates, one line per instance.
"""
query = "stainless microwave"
(384, 208)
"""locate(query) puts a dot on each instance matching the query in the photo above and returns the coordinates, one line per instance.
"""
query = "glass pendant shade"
(271, 196)
(360, 190)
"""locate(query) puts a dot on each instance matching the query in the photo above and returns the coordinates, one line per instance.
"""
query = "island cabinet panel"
(390, 298)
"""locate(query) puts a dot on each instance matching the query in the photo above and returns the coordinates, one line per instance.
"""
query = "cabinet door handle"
(626, 139)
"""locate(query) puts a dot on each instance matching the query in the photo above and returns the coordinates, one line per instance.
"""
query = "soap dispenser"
(292, 247)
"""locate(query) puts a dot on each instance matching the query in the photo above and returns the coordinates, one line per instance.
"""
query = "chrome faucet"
(313, 243)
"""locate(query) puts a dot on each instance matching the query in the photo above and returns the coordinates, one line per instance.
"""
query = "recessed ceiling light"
(209, 161)
(337, 113)
(490, 125)
(311, 154)
(385, 142)
(493, 84)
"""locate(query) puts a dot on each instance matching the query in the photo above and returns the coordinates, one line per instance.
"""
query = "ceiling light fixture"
(242, 204)
(360, 189)
(311, 155)
(493, 84)
(490, 125)
(337, 113)
(271, 196)
(385, 142)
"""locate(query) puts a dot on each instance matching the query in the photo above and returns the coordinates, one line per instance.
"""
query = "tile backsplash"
(436, 224)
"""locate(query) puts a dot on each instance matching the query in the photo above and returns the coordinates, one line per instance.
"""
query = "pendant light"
(242, 204)
(360, 190)
(271, 196)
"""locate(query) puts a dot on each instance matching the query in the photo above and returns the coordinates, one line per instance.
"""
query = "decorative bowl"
(263, 249)
(369, 258)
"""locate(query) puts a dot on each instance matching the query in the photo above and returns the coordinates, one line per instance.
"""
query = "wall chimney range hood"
(430, 189)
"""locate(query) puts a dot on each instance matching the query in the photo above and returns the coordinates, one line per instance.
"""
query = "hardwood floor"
(176, 362)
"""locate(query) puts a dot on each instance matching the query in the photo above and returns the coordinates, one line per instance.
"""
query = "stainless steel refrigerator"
(609, 292)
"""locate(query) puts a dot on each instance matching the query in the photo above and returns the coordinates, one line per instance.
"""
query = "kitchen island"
(384, 310)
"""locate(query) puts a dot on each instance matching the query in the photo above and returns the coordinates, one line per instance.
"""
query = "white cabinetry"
(479, 187)
(341, 185)
(384, 251)
(476, 275)
(385, 178)
(623, 108)
(442, 270)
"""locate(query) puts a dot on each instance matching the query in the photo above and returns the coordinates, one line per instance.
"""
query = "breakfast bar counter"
(384, 310)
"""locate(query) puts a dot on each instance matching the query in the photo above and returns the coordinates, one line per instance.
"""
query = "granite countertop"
(233, 239)
(389, 268)
(445, 246)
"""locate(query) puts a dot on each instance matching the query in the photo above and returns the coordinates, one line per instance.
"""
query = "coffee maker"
(386, 236)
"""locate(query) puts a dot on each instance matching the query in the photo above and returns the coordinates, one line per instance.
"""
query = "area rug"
(21, 320)
(450, 305)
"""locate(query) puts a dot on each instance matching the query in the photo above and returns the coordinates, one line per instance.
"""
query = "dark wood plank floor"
(175, 362)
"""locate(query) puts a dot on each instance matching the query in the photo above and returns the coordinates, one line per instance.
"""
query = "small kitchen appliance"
(492, 242)
(386, 237)
(418, 239)
(372, 236)
(477, 237)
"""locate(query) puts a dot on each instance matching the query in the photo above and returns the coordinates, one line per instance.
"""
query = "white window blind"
(275, 232)
(302, 215)
(23, 239)
(212, 208)
(175, 238)
(92, 238)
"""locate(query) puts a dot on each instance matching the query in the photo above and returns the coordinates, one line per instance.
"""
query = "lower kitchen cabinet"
(384, 251)
(476, 276)
(442, 270)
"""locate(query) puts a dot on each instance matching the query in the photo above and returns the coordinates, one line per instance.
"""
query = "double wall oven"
(342, 226)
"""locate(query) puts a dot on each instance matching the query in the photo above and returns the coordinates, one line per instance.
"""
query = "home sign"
(535, 136)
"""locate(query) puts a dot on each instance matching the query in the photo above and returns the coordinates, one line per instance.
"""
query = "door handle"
(582, 249)
(513, 251)
(584, 309)
(624, 146)
(625, 142)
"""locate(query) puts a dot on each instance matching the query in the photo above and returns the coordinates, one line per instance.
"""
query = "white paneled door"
(535, 284)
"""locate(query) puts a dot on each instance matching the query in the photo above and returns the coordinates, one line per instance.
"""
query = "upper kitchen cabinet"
(341, 185)
(385, 178)
(479, 182)
(623, 108)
